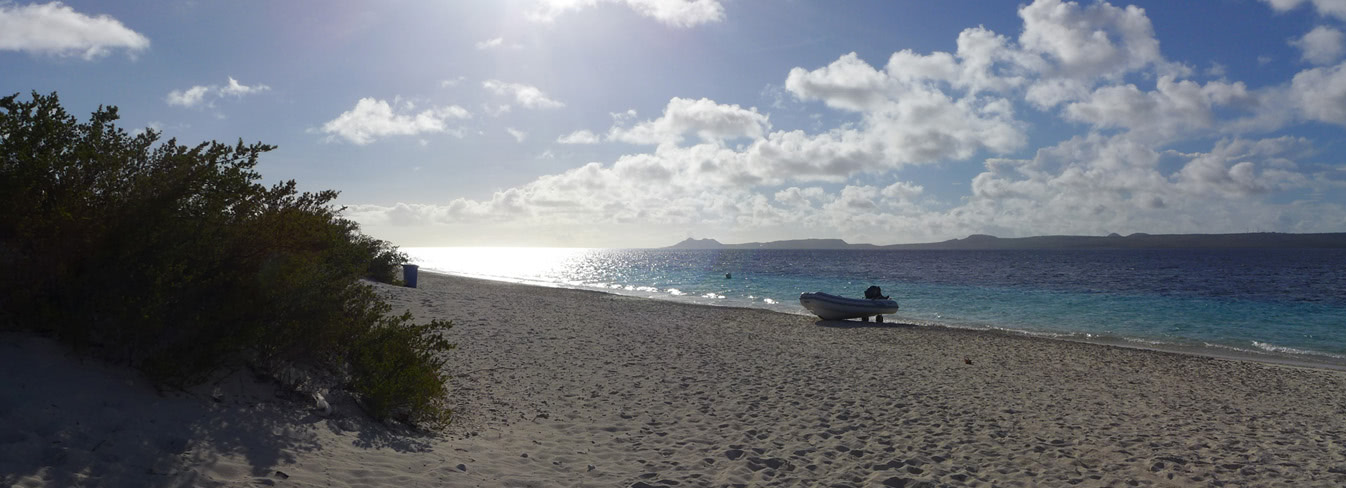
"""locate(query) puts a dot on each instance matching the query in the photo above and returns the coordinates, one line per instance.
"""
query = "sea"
(1279, 305)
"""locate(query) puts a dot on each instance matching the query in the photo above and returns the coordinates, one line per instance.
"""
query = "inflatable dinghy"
(832, 307)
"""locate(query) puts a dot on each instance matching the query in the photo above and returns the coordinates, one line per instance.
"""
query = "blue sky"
(638, 123)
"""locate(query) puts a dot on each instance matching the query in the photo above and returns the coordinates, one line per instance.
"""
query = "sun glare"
(496, 262)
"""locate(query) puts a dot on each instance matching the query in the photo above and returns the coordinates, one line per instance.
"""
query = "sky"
(640, 123)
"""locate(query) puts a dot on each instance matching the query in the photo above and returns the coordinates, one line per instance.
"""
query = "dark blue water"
(1283, 302)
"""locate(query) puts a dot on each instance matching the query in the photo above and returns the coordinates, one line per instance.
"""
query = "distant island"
(1112, 241)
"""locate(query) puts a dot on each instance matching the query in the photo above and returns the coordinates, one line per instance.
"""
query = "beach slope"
(558, 387)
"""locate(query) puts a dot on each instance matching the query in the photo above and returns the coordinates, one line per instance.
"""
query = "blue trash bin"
(409, 274)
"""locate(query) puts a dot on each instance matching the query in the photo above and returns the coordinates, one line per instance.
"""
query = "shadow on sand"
(75, 422)
(856, 324)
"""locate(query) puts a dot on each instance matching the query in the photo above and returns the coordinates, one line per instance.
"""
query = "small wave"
(1266, 346)
(1138, 340)
(675, 292)
(1033, 333)
(712, 295)
(769, 301)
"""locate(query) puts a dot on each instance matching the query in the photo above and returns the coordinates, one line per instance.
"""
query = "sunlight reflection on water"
(552, 266)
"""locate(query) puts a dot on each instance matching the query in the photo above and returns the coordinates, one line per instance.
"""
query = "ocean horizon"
(1279, 305)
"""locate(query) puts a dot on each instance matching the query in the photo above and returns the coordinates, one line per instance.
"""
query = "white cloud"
(1239, 168)
(800, 197)
(372, 119)
(1097, 40)
(449, 83)
(675, 13)
(1095, 184)
(1175, 109)
(902, 191)
(190, 97)
(579, 137)
(526, 95)
(718, 169)
(848, 83)
(236, 89)
(490, 43)
(705, 118)
(54, 28)
(1320, 94)
(854, 199)
(454, 112)
(1334, 8)
(1077, 47)
(1322, 45)
(518, 135)
(200, 95)
(906, 118)
(1086, 185)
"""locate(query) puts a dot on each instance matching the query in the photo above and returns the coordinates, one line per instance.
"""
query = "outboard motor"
(875, 293)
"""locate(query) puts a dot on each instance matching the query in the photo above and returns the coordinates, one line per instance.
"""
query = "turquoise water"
(1275, 304)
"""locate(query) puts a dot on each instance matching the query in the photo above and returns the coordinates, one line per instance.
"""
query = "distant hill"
(1113, 241)
(790, 244)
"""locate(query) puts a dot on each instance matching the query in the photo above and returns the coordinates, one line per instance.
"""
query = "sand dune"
(559, 387)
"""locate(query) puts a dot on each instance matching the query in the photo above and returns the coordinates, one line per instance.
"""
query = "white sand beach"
(557, 387)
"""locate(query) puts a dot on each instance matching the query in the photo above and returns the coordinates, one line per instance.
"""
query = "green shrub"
(398, 371)
(176, 260)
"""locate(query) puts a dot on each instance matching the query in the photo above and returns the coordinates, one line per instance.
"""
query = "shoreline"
(1307, 359)
(567, 387)
(709, 395)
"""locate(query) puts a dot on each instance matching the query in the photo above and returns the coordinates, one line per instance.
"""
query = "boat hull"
(832, 307)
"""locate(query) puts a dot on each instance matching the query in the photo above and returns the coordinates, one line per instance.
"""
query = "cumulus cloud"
(490, 43)
(1173, 110)
(902, 191)
(1095, 40)
(190, 97)
(674, 13)
(1322, 45)
(526, 95)
(200, 95)
(54, 28)
(1093, 184)
(1086, 185)
(1240, 168)
(518, 135)
(1334, 8)
(578, 137)
(372, 119)
(1071, 48)
(705, 118)
(236, 89)
(800, 197)
(906, 117)
(848, 83)
(722, 168)
(1320, 94)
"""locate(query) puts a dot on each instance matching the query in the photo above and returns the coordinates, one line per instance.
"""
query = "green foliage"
(176, 260)
(398, 370)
